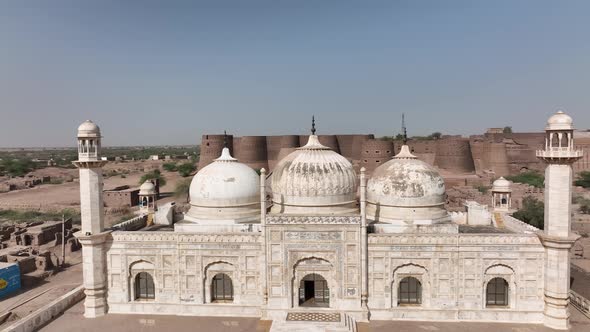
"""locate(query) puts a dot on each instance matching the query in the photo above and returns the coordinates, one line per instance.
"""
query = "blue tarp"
(9, 278)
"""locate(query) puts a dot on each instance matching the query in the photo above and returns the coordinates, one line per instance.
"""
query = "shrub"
(16, 167)
(532, 212)
(186, 169)
(583, 179)
(170, 167)
(182, 189)
(532, 178)
(584, 206)
(482, 189)
(153, 175)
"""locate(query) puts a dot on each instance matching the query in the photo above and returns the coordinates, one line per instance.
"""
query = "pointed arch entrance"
(314, 291)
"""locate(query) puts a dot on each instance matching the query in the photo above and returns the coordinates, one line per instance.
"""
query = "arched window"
(410, 291)
(497, 293)
(222, 289)
(144, 287)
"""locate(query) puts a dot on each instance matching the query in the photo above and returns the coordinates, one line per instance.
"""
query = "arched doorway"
(497, 293)
(144, 287)
(314, 291)
(409, 292)
(222, 289)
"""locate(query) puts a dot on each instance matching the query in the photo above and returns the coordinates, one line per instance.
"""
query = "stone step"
(315, 322)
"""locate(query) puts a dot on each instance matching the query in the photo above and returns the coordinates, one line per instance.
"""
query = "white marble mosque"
(314, 239)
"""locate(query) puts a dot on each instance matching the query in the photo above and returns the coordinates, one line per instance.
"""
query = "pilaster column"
(364, 248)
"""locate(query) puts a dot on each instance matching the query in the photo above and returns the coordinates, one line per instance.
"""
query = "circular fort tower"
(454, 154)
(375, 153)
(276, 144)
(251, 150)
(211, 146)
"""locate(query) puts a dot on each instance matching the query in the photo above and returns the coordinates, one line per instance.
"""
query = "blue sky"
(165, 72)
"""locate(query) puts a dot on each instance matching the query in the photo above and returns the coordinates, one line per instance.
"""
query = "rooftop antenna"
(313, 124)
(225, 139)
(404, 131)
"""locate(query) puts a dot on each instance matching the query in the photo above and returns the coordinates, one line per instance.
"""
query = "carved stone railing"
(131, 224)
(186, 237)
(581, 303)
(313, 220)
(518, 225)
(456, 240)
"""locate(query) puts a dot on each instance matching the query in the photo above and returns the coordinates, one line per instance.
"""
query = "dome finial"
(404, 131)
(225, 138)
(313, 124)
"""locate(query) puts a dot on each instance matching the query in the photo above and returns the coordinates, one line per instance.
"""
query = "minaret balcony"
(556, 154)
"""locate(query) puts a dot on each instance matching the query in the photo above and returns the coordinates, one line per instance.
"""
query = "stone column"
(93, 237)
(264, 235)
(557, 239)
(364, 247)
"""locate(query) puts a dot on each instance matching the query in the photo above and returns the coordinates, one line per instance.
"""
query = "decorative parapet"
(581, 303)
(131, 224)
(454, 240)
(186, 237)
(518, 225)
(313, 220)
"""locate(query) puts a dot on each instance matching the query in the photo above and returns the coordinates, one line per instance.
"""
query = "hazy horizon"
(165, 73)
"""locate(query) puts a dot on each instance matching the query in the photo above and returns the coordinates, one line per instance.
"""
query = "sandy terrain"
(51, 197)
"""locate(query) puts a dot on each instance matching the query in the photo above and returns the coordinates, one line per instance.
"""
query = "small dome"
(147, 188)
(224, 189)
(314, 180)
(406, 189)
(88, 129)
(501, 185)
(560, 121)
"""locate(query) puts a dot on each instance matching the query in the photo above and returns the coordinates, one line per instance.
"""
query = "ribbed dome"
(406, 189)
(224, 189)
(88, 129)
(560, 121)
(314, 180)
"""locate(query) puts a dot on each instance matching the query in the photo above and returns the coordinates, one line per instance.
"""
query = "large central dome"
(406, 190)
(314, 180)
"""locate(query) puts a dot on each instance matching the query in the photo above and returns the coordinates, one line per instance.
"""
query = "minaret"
(92, 236)
(557, 238)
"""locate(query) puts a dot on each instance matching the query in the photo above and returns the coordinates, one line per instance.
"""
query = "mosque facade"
(315, 237)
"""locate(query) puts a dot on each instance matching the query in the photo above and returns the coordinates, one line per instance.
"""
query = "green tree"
(583, 179)
(532, 178)
(186, 169)
(153, 175)
(436, 135)
(170, 167)
(532, 212)
(16, 167)
(507, 130)
(182, 189)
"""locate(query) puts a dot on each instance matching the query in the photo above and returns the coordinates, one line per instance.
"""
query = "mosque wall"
(183, 266)
(454, 270)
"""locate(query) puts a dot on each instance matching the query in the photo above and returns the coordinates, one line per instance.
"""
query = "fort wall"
(375, 152)
(454, 155)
